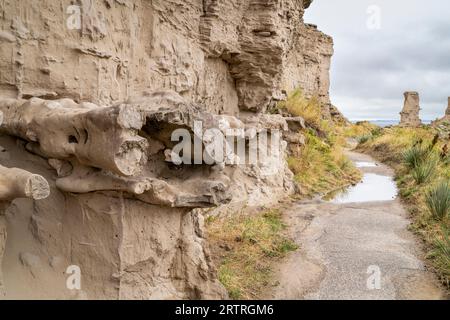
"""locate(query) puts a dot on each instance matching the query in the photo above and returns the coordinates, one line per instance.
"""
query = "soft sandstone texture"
(91, 110)
(411, 109)
(16, 183)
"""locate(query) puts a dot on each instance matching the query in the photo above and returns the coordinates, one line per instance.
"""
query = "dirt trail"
(343, 246)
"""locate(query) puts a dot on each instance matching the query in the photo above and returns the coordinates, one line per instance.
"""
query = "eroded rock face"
(97, 204)
(224, 55)
(308, 65)
(125, 248)
(91, 92)
(445, 118)
(411, 109)
(16, 183)
(3, 235)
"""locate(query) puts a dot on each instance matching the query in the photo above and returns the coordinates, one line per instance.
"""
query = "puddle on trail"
(373, 187)
(363, 164)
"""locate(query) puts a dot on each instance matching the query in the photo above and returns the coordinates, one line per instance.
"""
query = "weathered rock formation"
(91, 92)
(411, 109)
(308, 65)
(16, 183)
(445, 118)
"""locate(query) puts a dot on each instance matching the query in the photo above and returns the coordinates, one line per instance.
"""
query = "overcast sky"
(372, 67)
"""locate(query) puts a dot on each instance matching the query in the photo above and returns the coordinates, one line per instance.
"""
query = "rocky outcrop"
(308, 66)
(225, 55)
(445, 118)
(91, 93)
(411, 109)
(337, 116)
(130, 195)
(16, 183)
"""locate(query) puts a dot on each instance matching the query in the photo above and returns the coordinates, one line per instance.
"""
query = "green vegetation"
(364, 138)
(309, 109)
(252, 242)
(414, 156)
(320, 166)
(424, 171)
(363, 130)
(421, 160)
(438, 201)
(440, 254)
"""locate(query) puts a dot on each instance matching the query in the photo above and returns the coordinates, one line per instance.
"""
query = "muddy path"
(355, 246)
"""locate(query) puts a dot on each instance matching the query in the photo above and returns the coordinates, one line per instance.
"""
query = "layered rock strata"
(410, 113)
(91, 92)
(114, 166)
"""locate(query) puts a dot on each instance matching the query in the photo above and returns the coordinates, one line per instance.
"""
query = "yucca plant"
(415, 156)
(424, 171)
(441, 254)
(438, 200)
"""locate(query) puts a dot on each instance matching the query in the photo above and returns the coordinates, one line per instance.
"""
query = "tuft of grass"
(415, 156)
(360, 129)
(364, 138)
(424, 171)
(321, 167)
(438, 200)
(309, 109)
(441, 254)
(253, 243)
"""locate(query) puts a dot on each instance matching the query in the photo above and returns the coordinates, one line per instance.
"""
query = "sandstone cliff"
(90, 92)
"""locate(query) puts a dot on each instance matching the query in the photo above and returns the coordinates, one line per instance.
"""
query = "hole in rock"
(72, 139)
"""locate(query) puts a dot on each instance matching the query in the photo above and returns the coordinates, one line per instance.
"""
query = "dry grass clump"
(322, 167)
(361, 129)
(252, 243)
(309, 109)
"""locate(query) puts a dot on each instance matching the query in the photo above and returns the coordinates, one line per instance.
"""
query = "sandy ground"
(354, 251)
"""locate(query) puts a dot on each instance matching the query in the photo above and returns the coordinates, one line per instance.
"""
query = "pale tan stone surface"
(411, 109)
(91, 110)
(16, 183)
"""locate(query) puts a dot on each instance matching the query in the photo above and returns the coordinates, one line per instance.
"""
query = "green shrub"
(415, 156)
(441, 254)
(299, 105)
(364, 138)
(438, 200)
(424, 171)
(376, 132)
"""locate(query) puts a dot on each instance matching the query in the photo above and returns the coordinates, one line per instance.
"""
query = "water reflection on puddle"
(362, 164)
(373, 187)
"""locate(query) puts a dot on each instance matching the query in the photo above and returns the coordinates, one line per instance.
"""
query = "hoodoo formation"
(410, 113)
